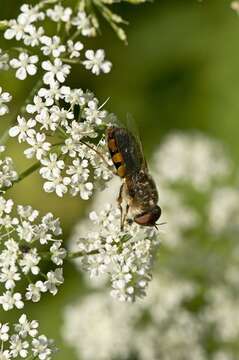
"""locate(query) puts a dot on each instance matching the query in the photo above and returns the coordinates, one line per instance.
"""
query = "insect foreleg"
(93, 148)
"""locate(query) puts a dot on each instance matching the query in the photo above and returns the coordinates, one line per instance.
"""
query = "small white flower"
(51, 166)
(8, 300)
(24, 129)
(61, 116)
(95, 61)
(52, 46)
(58, 253)
(48, 123)
(54, 279)
(25, 65)
(93, 113)
(57, 184)
(38, 106)
(25, 327)
(51, 94)
(59, 13)
(41, 347)
(39, 146)
(4, 329)
(5, 97)
(18, 346)
(73, 96)
(9, 276)
(27, 212)
(33, 36)
(34, 291)
(83, 24)
(31, 13)
(17, 28)
(74, 48)
(29, 262)
(79, 171)
(55, 71)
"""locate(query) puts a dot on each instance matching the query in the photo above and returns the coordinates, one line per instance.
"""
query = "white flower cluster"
(124, 255)
(160, 327)
(192, 159)
(25, 243)
(195, 304)
(7, 172)
(23, 341)
(224, 210)
(69, 162)
(63, 127)
(28, 28)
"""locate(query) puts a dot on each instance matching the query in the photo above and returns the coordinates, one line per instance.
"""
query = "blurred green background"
(179, 71)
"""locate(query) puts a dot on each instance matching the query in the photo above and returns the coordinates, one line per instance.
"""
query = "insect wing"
(130, 150)
(133, 129)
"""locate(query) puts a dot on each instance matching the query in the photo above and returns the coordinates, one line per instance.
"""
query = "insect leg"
(120, 200)
(125, 216)
(92, 147)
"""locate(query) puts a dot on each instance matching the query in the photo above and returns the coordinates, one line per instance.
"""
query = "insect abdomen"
(124, 151)
(116, 155)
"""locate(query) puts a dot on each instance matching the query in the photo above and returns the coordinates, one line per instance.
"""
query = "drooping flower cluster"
(125, 255)
(22, 341)
(25, 242)
(7, 172)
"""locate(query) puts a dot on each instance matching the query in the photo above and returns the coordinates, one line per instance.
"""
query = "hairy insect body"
(138, 189)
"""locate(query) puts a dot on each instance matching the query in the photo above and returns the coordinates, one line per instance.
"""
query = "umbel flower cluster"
(58, 124)
(22, 340)
(194, 303)
(126, 256)
(25, 242)
(63, 130)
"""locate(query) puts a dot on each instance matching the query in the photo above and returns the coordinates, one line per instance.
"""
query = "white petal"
(14, 131)
(21, 73)
(31, 69)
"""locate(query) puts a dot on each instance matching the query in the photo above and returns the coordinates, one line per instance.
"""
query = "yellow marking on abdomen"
(112, 145)
(117, 158)
(121, 171)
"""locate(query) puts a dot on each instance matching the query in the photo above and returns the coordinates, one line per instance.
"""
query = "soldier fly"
(138, 189)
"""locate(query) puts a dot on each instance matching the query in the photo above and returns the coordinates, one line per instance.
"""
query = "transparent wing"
(132, 127)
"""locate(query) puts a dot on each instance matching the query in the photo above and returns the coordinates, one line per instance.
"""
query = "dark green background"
(179, 71)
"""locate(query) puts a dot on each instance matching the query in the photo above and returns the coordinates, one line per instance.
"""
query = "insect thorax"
(142, 190)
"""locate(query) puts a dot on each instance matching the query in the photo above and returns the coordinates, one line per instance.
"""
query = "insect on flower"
(138, 196)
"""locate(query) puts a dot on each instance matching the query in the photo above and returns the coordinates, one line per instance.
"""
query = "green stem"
(31, 94)
(28, 171)
(74, 255)
(4, 137)
(24, 174)
(70, 254)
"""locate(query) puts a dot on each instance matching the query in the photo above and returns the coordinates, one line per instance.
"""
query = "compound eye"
(149, 218)
(144, 219)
